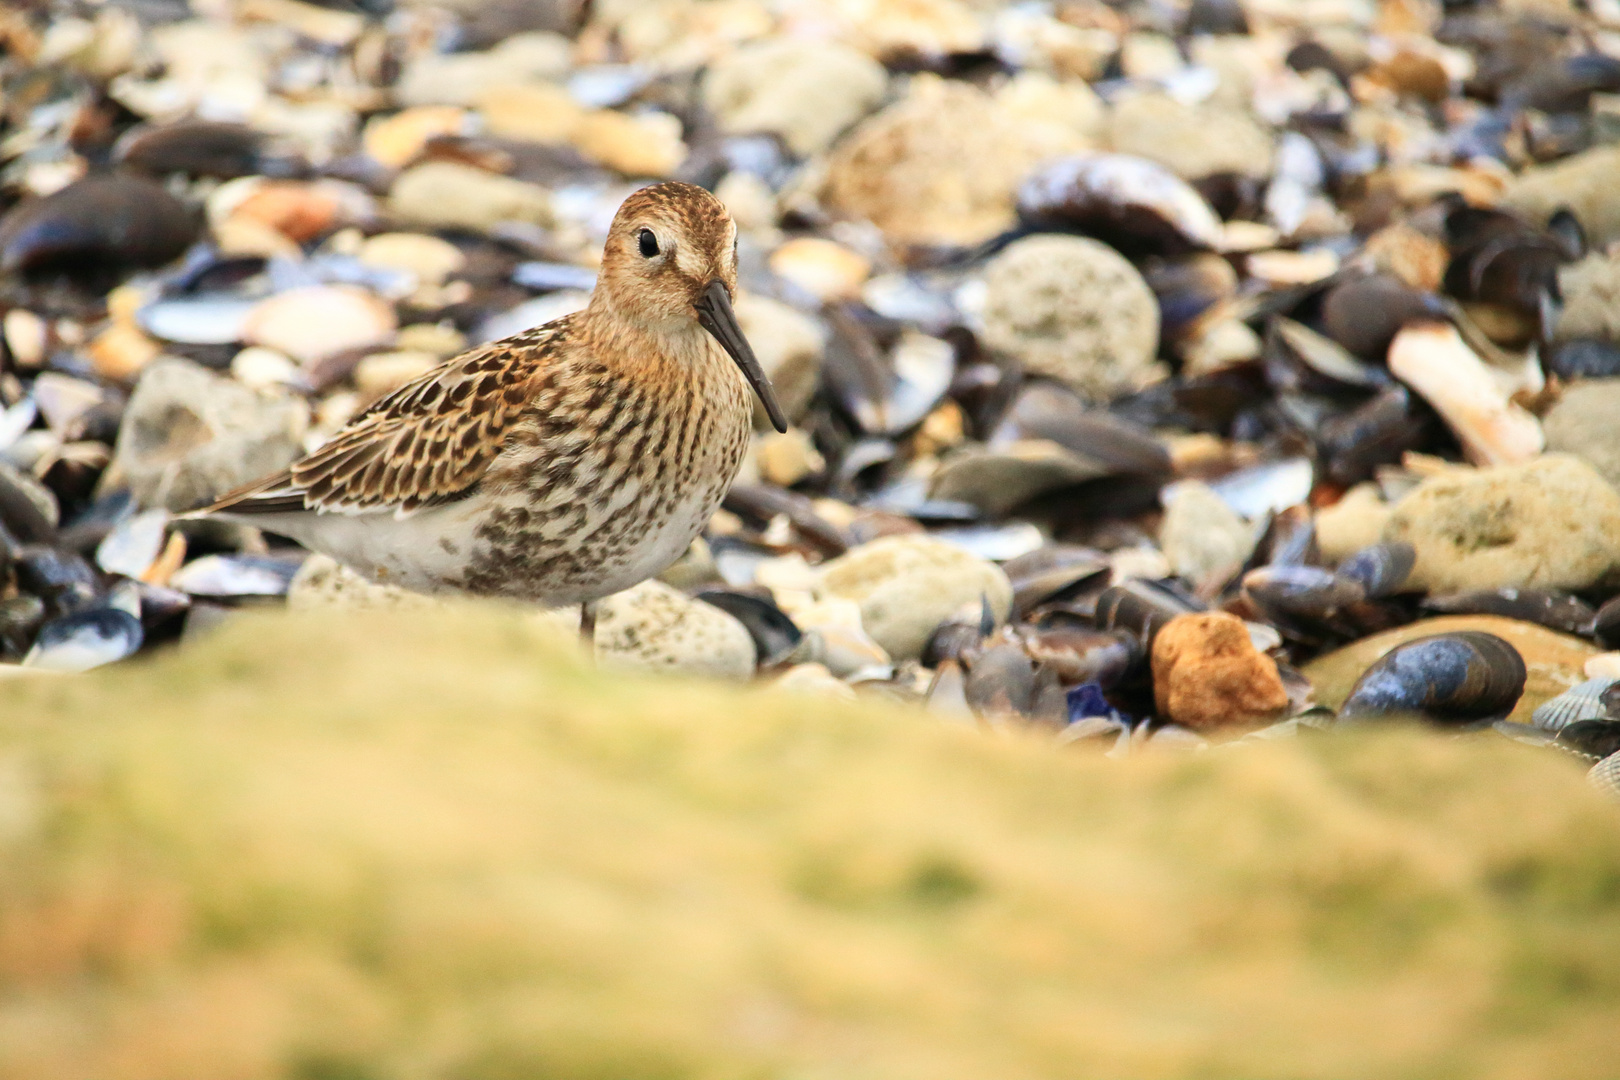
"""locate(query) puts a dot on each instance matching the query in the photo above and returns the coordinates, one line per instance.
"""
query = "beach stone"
(1583, 423)
(449, 195)
(1073, 309)
(1208, 674)
(464, 78)
(1553, 662)
(1193, 141)
(789, 346)
(430, 258)
(654, 627)
(1202, 536)
(1549, 523)
(189, 435)
(805, 91)
(1591, 291)
(324, 583)
(317, 321)
(1356, 521)
(907, 585)
(1583, 183)
(939, 166)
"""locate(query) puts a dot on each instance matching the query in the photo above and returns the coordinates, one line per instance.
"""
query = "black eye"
(649, 243)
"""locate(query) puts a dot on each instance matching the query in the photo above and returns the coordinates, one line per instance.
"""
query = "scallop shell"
(1605, 776)
(1582, 702)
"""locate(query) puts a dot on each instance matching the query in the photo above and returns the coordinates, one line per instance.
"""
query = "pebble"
(1205, 540)
(1356, 521)
(655, 628)
(824, 269)
(396, 141)
(450, 195)
(908, 585)
(318, 321)
(1551, 523)
(1207, 674)
(1591, 291)
(1193, 141)
(381, 373)
(807, 92)
(939, 166)
(465, 78)
(1073, 309)
(429, 258)
(1553, 662)
(323, 583)
(189, 435)
(1583, 423)
(788, 457)
(1582, 183)
(813, 680)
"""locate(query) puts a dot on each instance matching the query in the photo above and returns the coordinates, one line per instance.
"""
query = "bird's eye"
(649, 243)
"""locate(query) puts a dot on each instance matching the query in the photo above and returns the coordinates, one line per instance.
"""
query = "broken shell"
(1129, 202)
(202, 148)
(1001, 682)
(1140, 607)
(1077, 655)
(1460, 678)
(1377, 432)
(1433, 360)
(1298, 358)
(1046, 410)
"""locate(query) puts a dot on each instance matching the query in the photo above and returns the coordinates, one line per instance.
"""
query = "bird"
(561, 464)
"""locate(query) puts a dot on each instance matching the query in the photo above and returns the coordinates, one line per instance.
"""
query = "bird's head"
(670, 266)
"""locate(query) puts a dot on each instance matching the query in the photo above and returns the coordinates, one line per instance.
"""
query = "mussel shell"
(1128, 202)
(1302, 592)
(20, 619)
(1054, 572)
(86, 639)
(1376, 432)
(1364, 314)
(1187, 288)
(1587, 701)
(28, 509)
(1465, 677)
(1300, 359)
(198, 148)
(1606, 624)
(774, 632)
(60, 578)
(1545, 607)
(1045, 410)
(1289, 540)
(97, 223)
(1140, 608)
(1381, 569)
(1001, 682)
(1078, 655)
(1584, 358)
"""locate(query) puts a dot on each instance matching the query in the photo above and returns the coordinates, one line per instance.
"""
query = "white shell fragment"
(1433, 359)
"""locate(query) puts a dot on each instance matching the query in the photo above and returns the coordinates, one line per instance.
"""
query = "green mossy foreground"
(424, 846)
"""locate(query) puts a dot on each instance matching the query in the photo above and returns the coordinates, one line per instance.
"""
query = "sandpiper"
(561, 464)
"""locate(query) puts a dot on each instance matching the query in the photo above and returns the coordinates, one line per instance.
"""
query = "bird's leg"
(587, 625)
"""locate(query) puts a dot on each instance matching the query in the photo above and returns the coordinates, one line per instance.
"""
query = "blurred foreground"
(433, 845)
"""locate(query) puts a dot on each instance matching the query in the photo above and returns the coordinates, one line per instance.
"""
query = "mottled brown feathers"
(427, 442)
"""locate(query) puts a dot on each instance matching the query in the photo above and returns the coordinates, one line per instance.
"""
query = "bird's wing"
(426, 443)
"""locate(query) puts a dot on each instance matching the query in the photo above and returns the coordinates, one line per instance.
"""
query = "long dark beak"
(715, 315)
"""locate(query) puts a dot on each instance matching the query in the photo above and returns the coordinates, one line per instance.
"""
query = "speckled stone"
(907, 585)
(805, 91)
(1075, 310)
(323, 582)
(1550, 523)
(653, 627)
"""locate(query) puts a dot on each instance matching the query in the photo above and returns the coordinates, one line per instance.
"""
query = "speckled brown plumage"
(563, 463)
